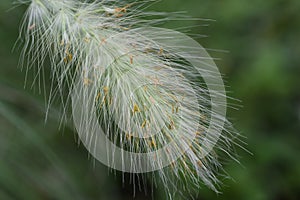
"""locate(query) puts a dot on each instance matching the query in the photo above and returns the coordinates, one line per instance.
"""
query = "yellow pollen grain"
(98, 96)
(87, 40)
(199, 163)
(123, 9)
(145, 88)
(171, 125)
(153, 143)
(70, 57)
(198, 133)
(87, 81)
(105, 89)
(131, 59)
(128, 136)
(136, 108)
(144, 124)
(161, 51)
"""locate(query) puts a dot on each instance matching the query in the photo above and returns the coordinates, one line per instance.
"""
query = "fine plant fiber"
(142, 86)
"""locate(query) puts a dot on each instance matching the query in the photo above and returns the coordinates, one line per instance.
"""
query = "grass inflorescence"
(154, 93)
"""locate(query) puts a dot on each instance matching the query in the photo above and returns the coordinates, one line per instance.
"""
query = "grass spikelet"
(145, 100)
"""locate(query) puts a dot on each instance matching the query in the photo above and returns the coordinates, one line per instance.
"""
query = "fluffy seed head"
(144, 99)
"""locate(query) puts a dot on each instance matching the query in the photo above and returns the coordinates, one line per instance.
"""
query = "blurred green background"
(261, 66)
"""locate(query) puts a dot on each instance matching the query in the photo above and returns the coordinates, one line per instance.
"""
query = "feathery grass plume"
(145, 100)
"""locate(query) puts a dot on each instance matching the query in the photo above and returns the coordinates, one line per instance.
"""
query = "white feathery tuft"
(154, 93)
